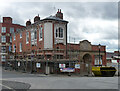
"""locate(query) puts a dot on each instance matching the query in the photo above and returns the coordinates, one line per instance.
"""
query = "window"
(11, 30)
(97, 60)
(14, 48)
(3, 38)
(32, 35)
(3, 49)
(40, 34)
(27, 37)
(10, 38)
(14, 36)
(3, 58)
(20, 47)
(17, 30)
(59, 32)
(35, 34)
(20, 35)
(10, 48)
(3, 29)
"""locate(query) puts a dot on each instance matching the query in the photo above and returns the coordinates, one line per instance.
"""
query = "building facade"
(45, 43)
(6, 30)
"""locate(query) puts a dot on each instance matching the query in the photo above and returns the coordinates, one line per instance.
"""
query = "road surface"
(33, 81)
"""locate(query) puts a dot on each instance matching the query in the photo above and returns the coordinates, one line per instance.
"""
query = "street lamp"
(32, 61)
(99, 53)
(15, 58)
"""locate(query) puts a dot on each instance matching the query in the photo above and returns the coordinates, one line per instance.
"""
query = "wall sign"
(61, 65)
(67, 70)
(77, 66)
(38, 65)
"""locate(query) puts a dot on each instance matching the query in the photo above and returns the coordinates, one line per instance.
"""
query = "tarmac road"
(60, 82)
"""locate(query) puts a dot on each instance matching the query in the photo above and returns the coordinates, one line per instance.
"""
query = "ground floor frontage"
(50, 67)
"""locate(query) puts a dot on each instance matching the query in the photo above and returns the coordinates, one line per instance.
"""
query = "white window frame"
(3, 39)
(20, 35)
(3, 49)
(10, 38)
(58, 33)
(97, 60)
(40, 33)
(20, 47)
(11, 30)
(3, 58)
(27, 37)
(3, 30)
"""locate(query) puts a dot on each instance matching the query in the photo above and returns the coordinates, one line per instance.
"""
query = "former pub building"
(42, 47)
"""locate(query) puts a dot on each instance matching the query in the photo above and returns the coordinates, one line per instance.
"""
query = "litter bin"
(104, 71)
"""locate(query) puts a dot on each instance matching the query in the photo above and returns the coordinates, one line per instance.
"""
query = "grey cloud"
(106, 10)
(20, 12)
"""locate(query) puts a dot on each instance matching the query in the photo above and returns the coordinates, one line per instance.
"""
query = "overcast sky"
(93, 21)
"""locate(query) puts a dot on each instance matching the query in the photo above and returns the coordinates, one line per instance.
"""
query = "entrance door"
(87, 59)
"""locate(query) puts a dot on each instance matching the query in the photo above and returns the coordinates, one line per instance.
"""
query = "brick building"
(45, 42)
(6, 30)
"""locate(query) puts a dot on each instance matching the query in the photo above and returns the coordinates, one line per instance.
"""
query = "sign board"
(86, 65)
(38, 65)
(61, 65)
(77, 66)
(67, 70)
(18, 63)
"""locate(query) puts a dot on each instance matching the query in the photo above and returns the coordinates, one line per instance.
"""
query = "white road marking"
(7, 87)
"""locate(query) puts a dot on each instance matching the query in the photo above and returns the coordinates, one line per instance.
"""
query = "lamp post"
(31, 61)
(47, 67)
(15, 58)
(99, 53)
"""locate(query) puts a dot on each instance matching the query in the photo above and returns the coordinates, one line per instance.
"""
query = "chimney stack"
(59, 14)
(7, 20)
(37, 18)
(28, 23)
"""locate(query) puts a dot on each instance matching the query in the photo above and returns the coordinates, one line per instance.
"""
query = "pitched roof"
(54, 18)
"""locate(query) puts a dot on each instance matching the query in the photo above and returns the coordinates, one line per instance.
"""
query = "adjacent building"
(6, 30)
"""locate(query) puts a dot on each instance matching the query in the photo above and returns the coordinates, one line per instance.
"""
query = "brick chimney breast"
(7, 20)
(59, 14)
(28, 23)
(37, 18)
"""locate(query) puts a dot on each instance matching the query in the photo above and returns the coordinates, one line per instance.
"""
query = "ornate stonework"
(85, 45)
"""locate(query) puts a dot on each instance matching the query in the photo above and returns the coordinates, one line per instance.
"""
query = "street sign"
(77, 66)
(61, 65)
(38, 65)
